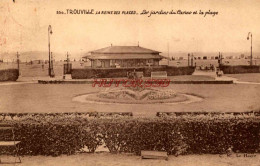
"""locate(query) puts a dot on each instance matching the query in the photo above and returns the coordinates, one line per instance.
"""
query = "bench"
(9, 143)
(154, 155)
(13, 143)
(158, 74)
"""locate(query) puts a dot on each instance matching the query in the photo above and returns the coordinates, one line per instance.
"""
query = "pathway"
(235, 80)
(222, 78)
(126, 159)
(28, 80)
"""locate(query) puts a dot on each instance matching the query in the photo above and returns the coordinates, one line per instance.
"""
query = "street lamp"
(188, 60)
(18, 63)
(49, 33)
(251, 58)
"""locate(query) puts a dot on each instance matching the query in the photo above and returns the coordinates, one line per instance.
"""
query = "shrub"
(240, 69)
(122, 72)
(43, 116)
(134, 135)
(9, 75)
(185, 134)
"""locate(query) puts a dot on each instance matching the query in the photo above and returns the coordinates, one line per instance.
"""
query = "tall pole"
(219, 59)
(188, 59)
(66, 66)
(51, 62)
(251, 57)
(49, 44)
(67, 59)
(18, 63)
(168, 53)
(192, 59)
(251, 62)
(251, 49)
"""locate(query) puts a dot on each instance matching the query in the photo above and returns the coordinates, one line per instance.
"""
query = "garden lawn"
(58, 98)
(249, 77)
(192, 78)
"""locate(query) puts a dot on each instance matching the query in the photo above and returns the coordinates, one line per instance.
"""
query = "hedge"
(15, 116)
(9, 75)
(239, 69)
(176, 135)
(173, 114)
(122, 72)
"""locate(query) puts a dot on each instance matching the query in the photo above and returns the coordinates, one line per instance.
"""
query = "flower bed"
(136, 96)
(187, 134)
(162, 95)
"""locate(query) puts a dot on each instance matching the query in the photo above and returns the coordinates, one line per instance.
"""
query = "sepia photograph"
(133, 82)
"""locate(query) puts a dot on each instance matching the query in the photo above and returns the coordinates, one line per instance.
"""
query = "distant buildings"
(37, 61)
(211, 57)
(229, 57)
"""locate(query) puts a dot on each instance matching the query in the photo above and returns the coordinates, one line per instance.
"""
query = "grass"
(58, 98)
(249, 77)
(192, 78)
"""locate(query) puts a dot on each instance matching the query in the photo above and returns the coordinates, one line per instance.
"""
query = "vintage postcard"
(133, 82)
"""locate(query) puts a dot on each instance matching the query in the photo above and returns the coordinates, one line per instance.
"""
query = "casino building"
(124, 57)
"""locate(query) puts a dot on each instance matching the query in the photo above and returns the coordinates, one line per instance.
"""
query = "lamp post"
(51, 64)
(67, 59)
(188, 60)
(251, 57)
(49, 33)
(18, 63)
(192, 58)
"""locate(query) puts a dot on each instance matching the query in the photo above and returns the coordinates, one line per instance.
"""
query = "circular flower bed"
(133, 96)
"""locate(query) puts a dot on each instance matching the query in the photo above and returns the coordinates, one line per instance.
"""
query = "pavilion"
(124, 57)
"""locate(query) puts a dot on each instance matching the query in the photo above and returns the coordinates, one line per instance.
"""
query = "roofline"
(87, 57)
(121, 59)
(94, 51)
(155, 52)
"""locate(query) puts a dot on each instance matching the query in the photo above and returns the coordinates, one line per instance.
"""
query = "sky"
(24, 25)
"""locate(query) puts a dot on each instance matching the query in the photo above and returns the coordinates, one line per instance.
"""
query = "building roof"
(124, 56)
(124, 52)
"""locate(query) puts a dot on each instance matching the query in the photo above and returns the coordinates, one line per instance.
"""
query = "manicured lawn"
(249, 77)
(192, 78)
(58, 98)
